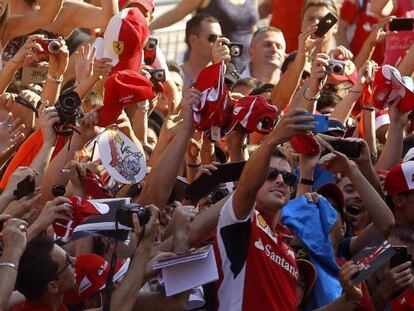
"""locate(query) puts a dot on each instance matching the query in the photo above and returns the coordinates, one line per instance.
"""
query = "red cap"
(95, 187)
(304, 144)
(400, 178)
(147, 4)
(331, 190)
(82, 208)
(254, 114)
(382, 86)
(350, 74)
(125, 38)
(92, 271)
(123, 88)
(404, 89)
(215, 103)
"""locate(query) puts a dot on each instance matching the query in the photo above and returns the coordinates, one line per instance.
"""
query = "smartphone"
(402, 24)
(321, 122)
(25, 187)
(352, 149)
(325, 24)
(401, 256)
(207, 183)
(150, 51)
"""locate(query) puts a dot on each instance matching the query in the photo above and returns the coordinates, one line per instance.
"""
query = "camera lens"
(54, 47)
(235, 51)
(337, 69)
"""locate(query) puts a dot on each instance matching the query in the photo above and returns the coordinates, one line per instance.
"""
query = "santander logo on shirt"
(267, 249)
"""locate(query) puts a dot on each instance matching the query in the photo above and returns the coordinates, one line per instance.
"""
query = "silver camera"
(335, 67)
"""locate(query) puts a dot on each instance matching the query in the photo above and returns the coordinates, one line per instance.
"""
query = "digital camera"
(69, 108)
(157, 75)
(50, 46)
(236, 49)
(335, 67)
(124, 215)
(150, 51)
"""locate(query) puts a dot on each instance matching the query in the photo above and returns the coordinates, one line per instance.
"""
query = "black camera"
(150, 51)
(336, 67)
(236, 49)
(157, 75)
(70, 112)
(124, 215)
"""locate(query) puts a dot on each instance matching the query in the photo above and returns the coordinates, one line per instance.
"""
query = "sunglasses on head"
(213, 38)
(288, 178)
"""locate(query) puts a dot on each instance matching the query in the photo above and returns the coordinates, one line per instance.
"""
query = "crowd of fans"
(287, 149)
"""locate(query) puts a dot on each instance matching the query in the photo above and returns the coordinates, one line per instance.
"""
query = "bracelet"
(191, 165)
(352, 91)
(310, 98)
(56, 80)
(8, 264)
(143, 106)
(368, 108)
(305, 181)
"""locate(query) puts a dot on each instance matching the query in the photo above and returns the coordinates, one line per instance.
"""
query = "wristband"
(310, 98)
(368, 108)
(305, 181)
(8, 264)
(58, 80)
(192, 165)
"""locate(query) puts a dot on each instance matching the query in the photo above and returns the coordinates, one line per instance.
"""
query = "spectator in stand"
(266, 55)
(237, 19)
(397, 45)
(286, 16)
(355, 25)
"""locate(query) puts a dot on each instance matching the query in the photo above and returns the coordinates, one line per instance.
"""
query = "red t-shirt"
(258, 269)
(30, 305)
(404, 302)
(286, 16)
(357, 14)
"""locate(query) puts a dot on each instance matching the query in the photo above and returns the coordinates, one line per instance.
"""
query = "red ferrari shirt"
(34, 306)
(257, 268)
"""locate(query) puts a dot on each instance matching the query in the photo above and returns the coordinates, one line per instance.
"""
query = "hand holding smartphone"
(402, 24)
(325, 24)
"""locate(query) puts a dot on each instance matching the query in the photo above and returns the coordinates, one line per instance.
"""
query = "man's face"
(268, 48)
(356, 213)
(405, 203)
(275, 194)
(313, 15)
(202, 43)
(66, 279)
(177, 80)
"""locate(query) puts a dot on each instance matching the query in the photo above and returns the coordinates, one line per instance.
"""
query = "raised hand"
(85, 58)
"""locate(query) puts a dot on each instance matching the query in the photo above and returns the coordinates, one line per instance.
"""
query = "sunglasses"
(213, 38)
(68, 262)
(288, 178)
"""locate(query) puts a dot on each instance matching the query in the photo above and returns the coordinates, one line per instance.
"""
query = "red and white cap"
(82, 209)
(254, 114)
(92, 271)
(382, 86)
(215, 103)
(382, 118)
(146, 4)
(404, 89)
(400, 178)
(125, 37)
(123, 88)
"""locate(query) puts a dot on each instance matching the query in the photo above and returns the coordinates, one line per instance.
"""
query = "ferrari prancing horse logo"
(118, 47)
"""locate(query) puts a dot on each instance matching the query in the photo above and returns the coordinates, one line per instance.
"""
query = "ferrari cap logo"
(118, 47)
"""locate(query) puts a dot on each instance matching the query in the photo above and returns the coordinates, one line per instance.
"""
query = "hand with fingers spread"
(58, 63)
(221, 51)
(307, 43)
(353, 293)
(291, 124)
(394, 281)
(27, 53)
(11, 135)
(25, 207)
(47, 119)
(85, 58)
(58, 208)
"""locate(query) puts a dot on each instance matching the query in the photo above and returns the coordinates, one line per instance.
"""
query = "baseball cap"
(335, 125)
(92, 271)
(331, 190)
(304, 144)
(125, 37)
(147, 4)
(123, 88)
(254, 114)
(382, 118)
(382, 86)
(409, 155)
(308, 274)
(400, 178)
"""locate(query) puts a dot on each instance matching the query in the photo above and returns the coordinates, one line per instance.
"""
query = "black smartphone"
(352, 149)
(402, 24)
(401, 256)
(325, 24)
(25, 187)
(207, 183)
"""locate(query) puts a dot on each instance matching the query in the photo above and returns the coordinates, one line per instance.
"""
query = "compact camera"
(50, 46)
(236, 49)
(157, 75)
(124, 215)
(335, 67)
(150, 51)
(70, 112)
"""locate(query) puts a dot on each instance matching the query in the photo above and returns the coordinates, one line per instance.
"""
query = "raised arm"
(181, 10)
(97, 17)
(256, 169)
(18, 25)
(383, 8)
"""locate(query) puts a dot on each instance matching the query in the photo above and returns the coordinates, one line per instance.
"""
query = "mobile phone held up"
(325, 24)
(321, 122)
(402, 24)
(401, 256)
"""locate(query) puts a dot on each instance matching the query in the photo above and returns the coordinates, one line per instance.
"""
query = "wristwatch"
(305, 181)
